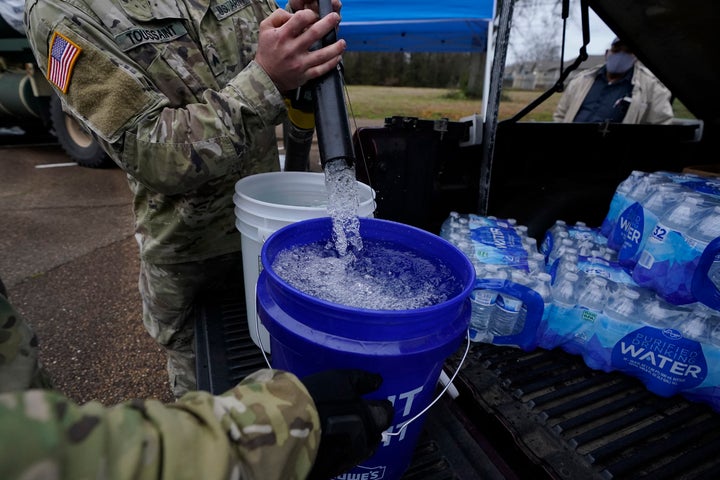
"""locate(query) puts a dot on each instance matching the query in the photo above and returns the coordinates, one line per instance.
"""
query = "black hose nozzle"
(331, 117)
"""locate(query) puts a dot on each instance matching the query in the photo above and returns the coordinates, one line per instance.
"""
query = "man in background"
(620, 91)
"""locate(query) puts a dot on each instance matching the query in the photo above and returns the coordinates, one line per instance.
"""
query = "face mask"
(619, 62)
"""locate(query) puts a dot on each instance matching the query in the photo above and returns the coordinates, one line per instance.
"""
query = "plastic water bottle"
(508, 318)
(565, 290)
(556, 253)
(619, 319)
(542, 286)
(624, 306)
(536, 263)
(707, 230)
(663, 197)
(483, 302)
(714, 327)
(450, 225)
(683, 215)
(483, 307)
(697, 326)
(608, 254)
(568, 262)
(658, 313)
(530, 245)
(594, 296)
(662, 265)
(551, 236)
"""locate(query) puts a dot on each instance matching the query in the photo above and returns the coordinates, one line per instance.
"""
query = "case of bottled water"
(663, 226)
(512, 287)
(580, 295)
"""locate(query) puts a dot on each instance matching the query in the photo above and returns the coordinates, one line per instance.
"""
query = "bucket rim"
(463, 294)
(240, 197)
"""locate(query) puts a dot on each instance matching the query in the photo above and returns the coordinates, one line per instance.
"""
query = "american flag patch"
(63, 54)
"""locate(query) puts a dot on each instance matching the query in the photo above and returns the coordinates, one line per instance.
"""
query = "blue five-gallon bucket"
(407, 347)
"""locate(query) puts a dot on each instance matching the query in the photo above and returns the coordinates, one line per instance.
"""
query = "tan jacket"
(650, 101)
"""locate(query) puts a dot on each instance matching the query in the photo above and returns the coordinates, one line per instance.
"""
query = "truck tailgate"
(541, 414)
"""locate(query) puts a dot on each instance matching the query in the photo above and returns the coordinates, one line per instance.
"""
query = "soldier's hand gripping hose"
(351, 426)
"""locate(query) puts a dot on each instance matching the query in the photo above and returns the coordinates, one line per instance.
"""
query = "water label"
(497, 245)
(635, 226)
(662, 359)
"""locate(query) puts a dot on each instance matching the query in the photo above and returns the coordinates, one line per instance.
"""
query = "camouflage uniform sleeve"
(265, 428)
(170, 146)
(19, 364)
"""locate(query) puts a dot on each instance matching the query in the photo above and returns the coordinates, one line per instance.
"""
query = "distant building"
(543, 74)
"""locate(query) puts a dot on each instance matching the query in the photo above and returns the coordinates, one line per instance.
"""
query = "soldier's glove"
(351, 426)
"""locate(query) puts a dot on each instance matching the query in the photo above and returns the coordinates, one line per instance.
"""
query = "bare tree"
(534, 34)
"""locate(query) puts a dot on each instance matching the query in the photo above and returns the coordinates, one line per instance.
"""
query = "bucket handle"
(448, 383)
(443, 378)
(257, 333)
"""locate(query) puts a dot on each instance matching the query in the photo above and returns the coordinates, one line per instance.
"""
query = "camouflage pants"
(169, 293)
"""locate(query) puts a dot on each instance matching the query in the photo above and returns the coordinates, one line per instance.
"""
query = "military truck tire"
(80, 146)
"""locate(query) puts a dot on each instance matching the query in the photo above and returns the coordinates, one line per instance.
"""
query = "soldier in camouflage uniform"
(270, 426)
(184, 95)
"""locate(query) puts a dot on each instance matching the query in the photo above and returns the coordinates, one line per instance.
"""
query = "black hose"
(331, 117)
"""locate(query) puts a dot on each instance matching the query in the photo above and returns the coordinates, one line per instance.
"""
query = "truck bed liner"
(541, 414)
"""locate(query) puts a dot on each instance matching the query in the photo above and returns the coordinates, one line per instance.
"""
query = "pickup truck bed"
(540, 414)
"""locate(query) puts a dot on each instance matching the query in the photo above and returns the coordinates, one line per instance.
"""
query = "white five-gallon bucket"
(267, 202)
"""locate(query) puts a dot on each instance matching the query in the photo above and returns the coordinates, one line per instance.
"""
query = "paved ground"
(69, 260)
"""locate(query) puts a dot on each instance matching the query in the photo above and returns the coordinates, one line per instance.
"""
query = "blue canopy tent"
(416, 26)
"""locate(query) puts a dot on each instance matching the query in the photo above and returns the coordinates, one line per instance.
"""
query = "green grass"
(433, 103)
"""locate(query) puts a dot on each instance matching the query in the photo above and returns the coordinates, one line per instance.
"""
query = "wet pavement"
(69, 260)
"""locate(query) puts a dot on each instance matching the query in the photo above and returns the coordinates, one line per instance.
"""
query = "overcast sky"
(600, 35)
(547, 19)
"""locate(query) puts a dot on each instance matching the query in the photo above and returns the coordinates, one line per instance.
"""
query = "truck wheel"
(80, 146)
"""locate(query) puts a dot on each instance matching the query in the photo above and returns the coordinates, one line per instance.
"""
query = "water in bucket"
(407, 345)
(381, 276)
(266, 202)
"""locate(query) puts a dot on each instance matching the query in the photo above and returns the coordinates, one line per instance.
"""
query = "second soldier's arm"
(266, 428)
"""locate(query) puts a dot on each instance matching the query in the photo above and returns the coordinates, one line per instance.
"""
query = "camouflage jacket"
(20, 367)
(171, 91)
(265, 428)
